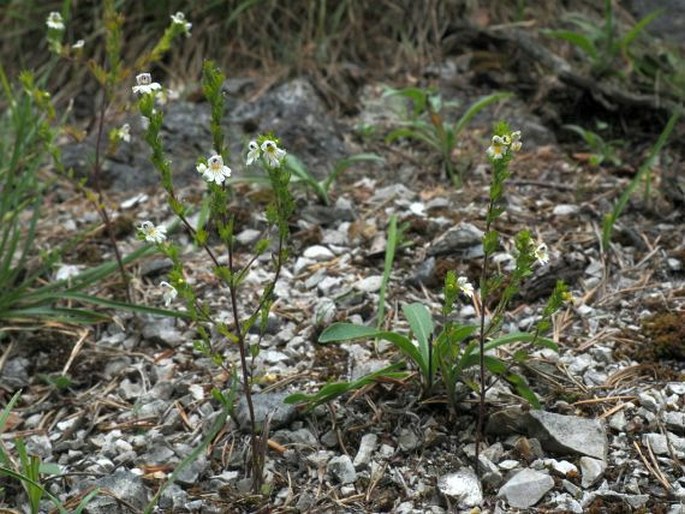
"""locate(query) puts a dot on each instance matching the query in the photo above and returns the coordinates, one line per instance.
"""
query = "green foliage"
(602, 151)
(643, 175)
(28, 470)
(449, 351)
(301, 175)
(231, 275)
(603, 44)
(333, 390)
(426, 123)
(393, 241)
(27, 296)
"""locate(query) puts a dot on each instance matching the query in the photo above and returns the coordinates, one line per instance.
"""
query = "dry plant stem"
(481, 347)
(256, 470)
(100, 205)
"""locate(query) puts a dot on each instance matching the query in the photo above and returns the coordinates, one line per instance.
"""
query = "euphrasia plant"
(217, 241)
(109, 74)
(449, 348)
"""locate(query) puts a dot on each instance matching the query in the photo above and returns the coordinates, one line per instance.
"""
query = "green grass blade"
(475, 108)
(581, 41)
(611, 218)
(390, 247)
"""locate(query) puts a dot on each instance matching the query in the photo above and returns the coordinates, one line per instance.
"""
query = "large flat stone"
(568, 434)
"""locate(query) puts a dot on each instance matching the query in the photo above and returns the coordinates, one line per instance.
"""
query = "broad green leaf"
(475, 108)
(576, 39)
(421, 324)
(333, 390)
(338, 332)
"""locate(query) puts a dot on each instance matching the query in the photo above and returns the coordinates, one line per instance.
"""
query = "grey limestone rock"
(526, 488)
(568, 434)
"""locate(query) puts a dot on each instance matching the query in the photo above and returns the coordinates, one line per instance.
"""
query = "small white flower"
(541, 254)
(169, 294)
(465, 286)
(55, 21)
(253, 153)
(498, 148)
(214, 170)
(272, 153)
(516, 143)
(68, 271)
(124, 133)
(152, 233)
(144, 84)
(78, 45)
(180, 19)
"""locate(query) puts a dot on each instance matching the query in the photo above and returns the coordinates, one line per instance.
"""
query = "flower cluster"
(180, 19)
(465, 286)
(144, 84)
(152, 233)
(501, 145)
(215, 170)
(122, 133)
(268, 149)
(55, 21)
(169, 293)
(541, 254)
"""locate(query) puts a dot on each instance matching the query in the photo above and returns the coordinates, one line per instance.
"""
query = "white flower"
(541, 254)
(465, 286)
(214, 170)
(272, 153)
(68, 271)
(498, 148)
(169, 294)
(152, 233)
(124, 133)
(55, 21)
(516, 143)
(145, 85)
(78, 45)
(180, 19)
(252, 153)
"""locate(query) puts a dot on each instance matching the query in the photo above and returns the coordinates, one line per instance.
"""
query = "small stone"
(369, 284)
(675, 421)
(660, 443)
(248, 236)
(463, 487)
(391, 192)
(318, 253)
(464, 240)
(651, 400)
(367, 445)
(324, 312)
(674, 264)
(676, 388)
(265, 404)
(121, 485)
(408, 440)
(565, 210)
(162, 331)
(592, 470)
(526, 488)
(342, 469)
(319, 459)
(618, 421)
(562, 467)
(424, 273)
(509, 464)
(387, 451)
